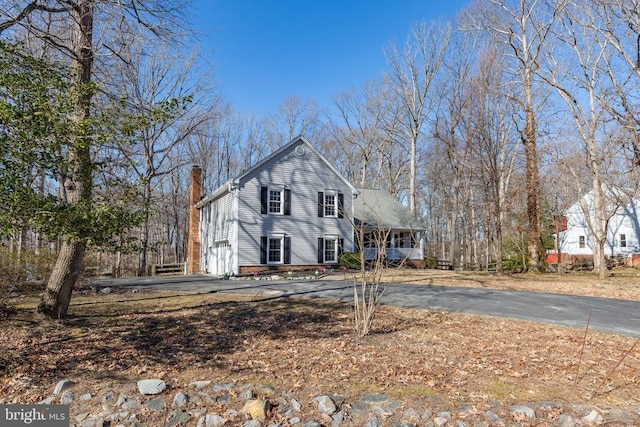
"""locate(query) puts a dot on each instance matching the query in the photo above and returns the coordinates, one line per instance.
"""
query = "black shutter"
(264, 192)
(340, 205)
(287, 201)
(320, 250)
(263, 250)
(287, 250)
(320, 204)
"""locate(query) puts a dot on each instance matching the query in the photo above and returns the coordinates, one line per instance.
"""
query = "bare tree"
(494, 146)
(413, 76)
(68, 27)
(578, 78)
(522, 27)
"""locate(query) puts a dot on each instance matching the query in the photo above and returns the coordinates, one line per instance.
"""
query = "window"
(623, 240)
(275, 249)
(581, 242)
(330, 205)
(329, 249)
(275, 200)
(330, 246)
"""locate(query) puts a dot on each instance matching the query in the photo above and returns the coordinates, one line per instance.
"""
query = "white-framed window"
(330, 204)
(276, 200)
(331, 250)
(581, 242)
(275, 249)
(623, 240)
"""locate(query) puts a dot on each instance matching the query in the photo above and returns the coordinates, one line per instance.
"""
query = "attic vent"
(299, 150)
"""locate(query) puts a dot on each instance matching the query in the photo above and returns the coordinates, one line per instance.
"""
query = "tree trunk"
(67, 269)
(533, 184)
(77, 185)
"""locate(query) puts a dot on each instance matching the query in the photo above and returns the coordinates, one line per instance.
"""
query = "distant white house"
(623, 236)
(292, 210)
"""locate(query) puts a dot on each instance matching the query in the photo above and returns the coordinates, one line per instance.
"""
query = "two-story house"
(292, 209)
(623, 232)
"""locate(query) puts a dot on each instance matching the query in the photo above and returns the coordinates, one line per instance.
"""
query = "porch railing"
(393, 253)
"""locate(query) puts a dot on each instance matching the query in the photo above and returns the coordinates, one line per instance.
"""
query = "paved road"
(608, 315)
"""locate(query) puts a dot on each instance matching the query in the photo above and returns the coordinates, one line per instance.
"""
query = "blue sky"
(263, 51)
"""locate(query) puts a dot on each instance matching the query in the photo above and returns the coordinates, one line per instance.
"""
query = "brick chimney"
(193, 242)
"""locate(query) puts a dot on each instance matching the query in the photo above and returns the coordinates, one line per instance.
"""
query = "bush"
(430, 262)
(22, 272)
(350, 260)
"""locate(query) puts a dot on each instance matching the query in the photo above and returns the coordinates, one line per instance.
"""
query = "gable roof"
(378, 208)
(229, 185)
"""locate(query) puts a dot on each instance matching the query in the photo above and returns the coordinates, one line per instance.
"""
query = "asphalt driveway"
(607, 315)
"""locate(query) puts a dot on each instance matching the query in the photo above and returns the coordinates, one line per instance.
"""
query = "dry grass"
(308, 347)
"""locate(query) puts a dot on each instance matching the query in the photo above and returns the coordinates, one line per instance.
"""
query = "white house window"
(330, 204)
(275, 201)
(275, 250)
(623, 240)
(581, 242)
(331, 250)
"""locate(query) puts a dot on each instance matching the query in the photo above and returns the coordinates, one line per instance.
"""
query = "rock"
(374, 398)
(67, 397)
(151, 387)
(180, 399)
(117, 416)
(311, 423)
(246, 395)
(440, 421)
(47, 401)
(372, 421)
(199, 385)
(337, 419)
(107, 399)
(85, 397)
(411, 415)
(592, 419)
(92, 422)
(256, 409)
(326, 405)
(294, 420)
(252, 423)
(155, 405)
(566, 420)
(492, 417)
(621, 416)
(62, 385)
(359, 408)
(295, 405)
(121, 400)
(211, 420)
(178, 418)
(446, 415)
(130, 404)
(522, 413)
(426, 415)
(106, 290)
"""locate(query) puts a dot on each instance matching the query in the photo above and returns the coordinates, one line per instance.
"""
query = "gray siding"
(305, 175)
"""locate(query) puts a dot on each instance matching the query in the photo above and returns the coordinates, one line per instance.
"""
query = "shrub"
(350, 260)
(431, 263)
(22, 272)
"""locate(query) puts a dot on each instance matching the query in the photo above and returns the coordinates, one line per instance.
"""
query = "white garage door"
(220, 259)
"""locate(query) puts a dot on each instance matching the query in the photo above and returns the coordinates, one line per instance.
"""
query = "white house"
(623, 236)
(291, 210)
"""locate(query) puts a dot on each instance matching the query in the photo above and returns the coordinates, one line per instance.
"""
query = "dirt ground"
(308, 346)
